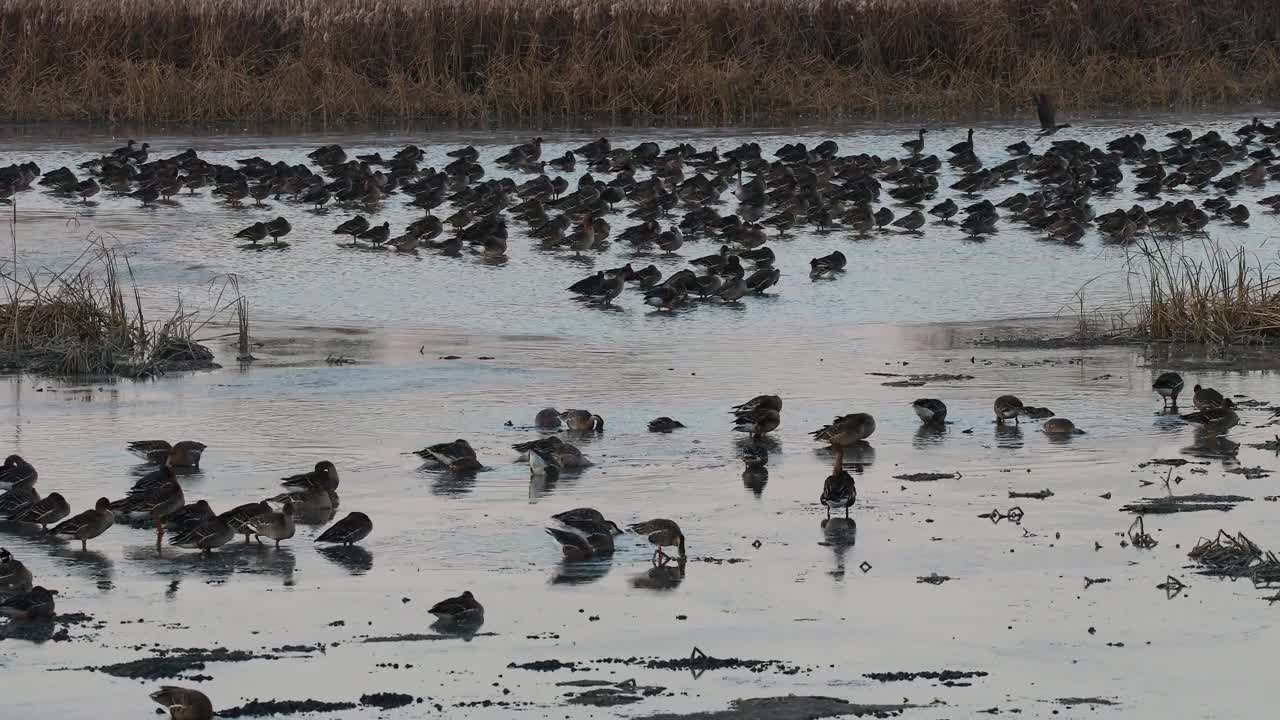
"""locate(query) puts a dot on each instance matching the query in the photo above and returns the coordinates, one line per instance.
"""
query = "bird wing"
(1044, 110)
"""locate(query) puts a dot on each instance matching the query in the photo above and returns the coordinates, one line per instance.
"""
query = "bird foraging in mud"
(1168, 386)
(930, 410)
(1007, 407)
(661, 534)
(1204, 398)
(183, 703)
(846, 430)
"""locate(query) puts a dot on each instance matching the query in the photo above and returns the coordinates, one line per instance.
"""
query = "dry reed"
(709, 61)
(1221, 295)
(78, 321)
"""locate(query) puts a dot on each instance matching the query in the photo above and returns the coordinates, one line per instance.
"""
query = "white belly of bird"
(924, 413)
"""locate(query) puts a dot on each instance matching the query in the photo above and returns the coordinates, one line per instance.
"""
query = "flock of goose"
(157, 498)
(667, 198)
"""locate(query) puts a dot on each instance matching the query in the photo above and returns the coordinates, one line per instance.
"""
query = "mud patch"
(386, 700)
(174, 662)
(1072, 701)
(262, 708)
(789, 707)
(943, 675)
(420, 637)
(928, 476)
(1196, 502)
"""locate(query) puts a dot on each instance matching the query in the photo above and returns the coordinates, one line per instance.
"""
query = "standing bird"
(206, 535)
(155, 502)
(183, 703)
(583, 544)
(839, 490)
(88, 524)
(1007, 407)
(661, 533)
(278, 228)
(915, 146)
(1047, 115)
(1168, 386)
(349, 530)
(275, 525)
(846, 430)
(930, 410)
(758, 422)
(45, 512)
(547, 419)
(324, 477)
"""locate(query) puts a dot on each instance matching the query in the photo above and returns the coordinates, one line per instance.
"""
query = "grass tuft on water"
(704, 61)
(81, 320)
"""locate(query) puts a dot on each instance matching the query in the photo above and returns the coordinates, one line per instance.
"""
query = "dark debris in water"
(1171, 462)
(1250, 473)
(934, 579)
(420, 637)
(945, 675)
(1195, 502)
(1037, 495)
(701, 662)
(386, 700)
(1072, 701)
(928, 476)
(263, 708)
(173, 662)
(789, 707)
(548, 666)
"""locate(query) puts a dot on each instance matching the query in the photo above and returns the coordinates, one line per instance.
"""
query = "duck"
(255, 233)
(839, 491)
(278, 228)
(34, 603)
(183, 703)
(17, 471)
(661, 533)
(15, 578)
(911, 222)
(1061, 426)
(1007, 407)
(1168, 386)
(583, 545)
(759, 402)
(350, 530)
(664, 424)
(155, 502)
(275, 525)
(240, 518)
(581, 515)
(846, 430)
(461, 610)
(758, 422)
(352, 227)
(547, 419)
(88, 524)
(915, 146)
(185, 454)
(1216, 416)
(18, 498)
(53, 508)
(964, 146)
(945, 210)
(1047, 115)
(323, 477)
(206, 535)
(1203, 397)
(551, 453)
(190, 515)
(448, 454)
(930, 410)
(582, 421)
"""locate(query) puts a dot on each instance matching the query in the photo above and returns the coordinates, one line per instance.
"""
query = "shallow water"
(183, 247)
(1016, 608)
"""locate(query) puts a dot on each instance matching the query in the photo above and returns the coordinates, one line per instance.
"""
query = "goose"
(661, 533)
(839, 491)
(15, 578)
(88, 524)
(664, 424)
(461, 610)
(35, 603)
(915, 146)
(254, 233)
(275, 525)
(1203, 398)
(53, 508)
(1047, 116)
(183, 703)
(448, 454)
(582, 420)
(349, 530)
(846, 430)
(1007, 407)
(1061, 426)
(1168, 386)
(17, 471)
(206, 535)
(583, 545)
(184, 454)
(930, 410)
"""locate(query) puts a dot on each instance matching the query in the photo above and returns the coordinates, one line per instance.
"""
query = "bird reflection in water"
(1008, 436)
(354, 559)
(666, 576)
(91, 564)
(756, 474)
(221, 564)
(929, 434)
(840, 534)
(1209, 442)
(36, 630)
(581, 572)
(314, 506)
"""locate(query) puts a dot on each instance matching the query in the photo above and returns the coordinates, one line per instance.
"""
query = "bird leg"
(84, 545)
(159, 533)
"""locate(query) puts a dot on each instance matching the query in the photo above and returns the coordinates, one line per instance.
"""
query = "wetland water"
(1016, 608)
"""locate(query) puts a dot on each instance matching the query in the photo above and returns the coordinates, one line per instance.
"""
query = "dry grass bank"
(709, 61)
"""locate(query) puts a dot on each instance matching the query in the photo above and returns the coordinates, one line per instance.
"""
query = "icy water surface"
(1016, 608)
(767, 578)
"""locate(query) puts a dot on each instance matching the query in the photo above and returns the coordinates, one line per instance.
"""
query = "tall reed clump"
(81, 321)
(707, 61)
(1221, 295)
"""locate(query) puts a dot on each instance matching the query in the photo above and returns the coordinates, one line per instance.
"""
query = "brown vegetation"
(80, 321)
(709, 61)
